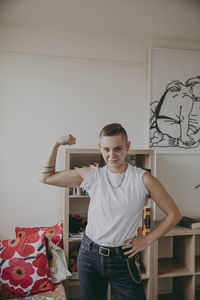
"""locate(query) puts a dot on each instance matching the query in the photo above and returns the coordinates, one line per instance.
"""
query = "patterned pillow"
(56, 232)
(24, 265)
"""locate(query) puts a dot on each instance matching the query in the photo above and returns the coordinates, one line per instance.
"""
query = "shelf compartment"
(85, 158)
(78, 205)
(197, 287)
(169, 267)
(176, 256)
(182, 288)
(143, 161)
(197, 264)
(73, 290)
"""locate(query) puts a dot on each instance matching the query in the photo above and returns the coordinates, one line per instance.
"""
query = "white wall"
(40, 70)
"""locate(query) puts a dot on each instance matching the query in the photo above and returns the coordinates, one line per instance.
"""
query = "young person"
(118, 191)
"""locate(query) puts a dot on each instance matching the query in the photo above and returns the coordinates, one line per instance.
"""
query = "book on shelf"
(72, 264)
(77, 191)
(146, 224)
(189, 222)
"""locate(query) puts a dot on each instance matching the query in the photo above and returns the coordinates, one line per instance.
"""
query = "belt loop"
(90, 245)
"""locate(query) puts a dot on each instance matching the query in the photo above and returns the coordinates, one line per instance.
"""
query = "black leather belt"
(105, 251)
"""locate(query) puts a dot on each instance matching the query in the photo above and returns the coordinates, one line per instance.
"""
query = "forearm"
(48, 168)
(165, 226)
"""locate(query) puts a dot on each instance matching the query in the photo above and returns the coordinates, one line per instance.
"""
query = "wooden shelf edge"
(179, 230)
(176, 274)
(77, 282)
(168, 267)
(73, 282)
(81, 197)
(97, 151)
(75, 240)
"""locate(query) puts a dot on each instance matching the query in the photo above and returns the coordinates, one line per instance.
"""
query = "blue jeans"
(97, 270)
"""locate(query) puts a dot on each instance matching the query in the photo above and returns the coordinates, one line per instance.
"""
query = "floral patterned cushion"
(24, 266)
(54, 231)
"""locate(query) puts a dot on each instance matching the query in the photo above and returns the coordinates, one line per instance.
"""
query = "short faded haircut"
(113, 129)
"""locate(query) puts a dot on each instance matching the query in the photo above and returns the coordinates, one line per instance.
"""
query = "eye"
(118, 149)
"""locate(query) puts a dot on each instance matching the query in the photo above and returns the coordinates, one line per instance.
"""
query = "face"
(114, 149)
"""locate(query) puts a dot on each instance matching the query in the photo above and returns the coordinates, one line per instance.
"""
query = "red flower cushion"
(54, 231)
(24, 266)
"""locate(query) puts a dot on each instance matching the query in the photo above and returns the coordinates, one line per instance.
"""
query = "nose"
(111, 154)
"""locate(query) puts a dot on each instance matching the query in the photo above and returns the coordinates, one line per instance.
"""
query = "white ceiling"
(165, 19)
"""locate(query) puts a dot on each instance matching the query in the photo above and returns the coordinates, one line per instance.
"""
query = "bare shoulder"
(148, 178)
(155, 187)
(83, 171)
(150, 181)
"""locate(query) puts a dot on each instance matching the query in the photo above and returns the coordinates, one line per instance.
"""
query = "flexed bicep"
(70, 178)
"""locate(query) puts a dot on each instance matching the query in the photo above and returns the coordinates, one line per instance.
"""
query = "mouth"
(113, 161)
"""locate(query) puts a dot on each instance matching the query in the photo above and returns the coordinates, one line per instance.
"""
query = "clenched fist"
(67, 139)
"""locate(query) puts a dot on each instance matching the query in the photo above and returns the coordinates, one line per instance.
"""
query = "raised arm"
(70, 178)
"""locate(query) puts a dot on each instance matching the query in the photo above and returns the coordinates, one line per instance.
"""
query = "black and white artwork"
(174, 101)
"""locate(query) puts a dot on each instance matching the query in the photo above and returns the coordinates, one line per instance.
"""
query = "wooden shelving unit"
(170, 267)
(79, 205)
(177, 259)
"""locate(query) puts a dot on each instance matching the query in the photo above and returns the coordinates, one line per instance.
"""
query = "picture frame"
(174, 101)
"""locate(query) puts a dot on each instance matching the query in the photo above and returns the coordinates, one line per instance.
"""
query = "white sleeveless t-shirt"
(114, 214)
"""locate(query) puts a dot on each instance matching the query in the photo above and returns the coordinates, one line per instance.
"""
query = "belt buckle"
(102, 249)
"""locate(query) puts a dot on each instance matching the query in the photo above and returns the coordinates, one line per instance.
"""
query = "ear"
(128, 145)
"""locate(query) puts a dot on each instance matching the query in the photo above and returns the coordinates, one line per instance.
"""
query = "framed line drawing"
(174, 101)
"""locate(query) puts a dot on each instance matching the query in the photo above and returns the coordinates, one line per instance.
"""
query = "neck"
(120, 169)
